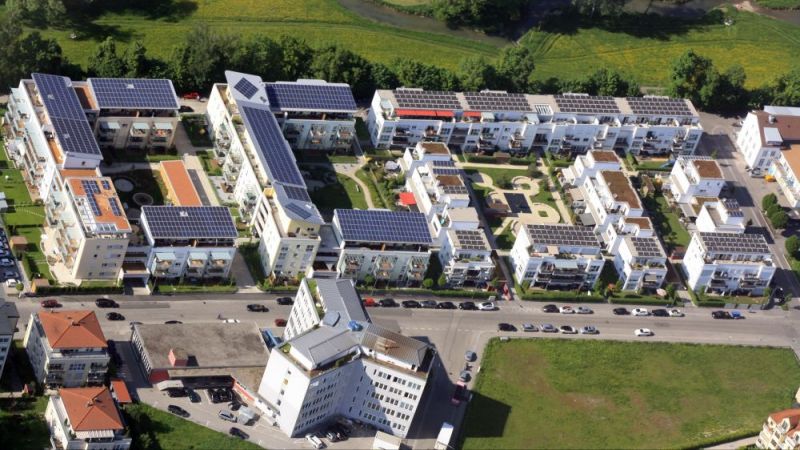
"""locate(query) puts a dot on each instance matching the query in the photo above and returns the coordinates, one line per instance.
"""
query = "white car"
(566, 310)
(640, 312)
(487, 306)
(315, 441)
(675, 313)
(643, 332)
(584, 310)
(231, 320)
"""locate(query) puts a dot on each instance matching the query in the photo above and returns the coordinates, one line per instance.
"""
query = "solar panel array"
(413, 99)
(658, 106)
(383, 226)
(562, 235)
(325, 97)
(90, 188)
(75, 136)
(189, 222)
(447, 171)
(471, 239)
(733, 208)
(106, 184)
(134, 93)
(304, 213)
(734, 243)
(246, 88)
(583, 104)
(115, 206)
(497, 101)
(454, 189)
(440, 163)
(297, 193)
(66, 114)
(270, 143)
(647, 247)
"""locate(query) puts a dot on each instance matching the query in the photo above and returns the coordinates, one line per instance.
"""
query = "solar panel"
(412, 98)
(454, 189)
(90, 186)
(299, 210)
(733, 208)
(106, 184)
(647, 247)
(562, 235)
(58, 96)
(268, 139)
(659, 106)
(447, 171)
(115, 207)
(734, 243)
(297, 193)
(497, 101)
(189, 222)
(133, 93)
(246, 88)
(585, 104)
(471, 239)
(383, 226)
(75, 136)
(447, 163)
(314, 97)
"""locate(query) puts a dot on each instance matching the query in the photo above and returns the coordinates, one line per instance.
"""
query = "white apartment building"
(466, 258)
(723, 216)
(587, 166)
(66, 348)
(695, 176)
(781, 431)
(392, 247)
(423, 153)
(455, 219)
(628, 226)
(728, 263)
(641, 263)
(608, 197)
(437, 189)
(314, 114)
(766, 133)
(343, 365)
(85, 419)
(490, 121)
(262, 173)
(557, 256)
(9, 316)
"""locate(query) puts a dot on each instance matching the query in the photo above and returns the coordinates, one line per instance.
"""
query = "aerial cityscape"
(420, 224)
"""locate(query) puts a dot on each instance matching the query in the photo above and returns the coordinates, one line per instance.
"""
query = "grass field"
(772, 4)
(668, 223)
(344, 194)
(554, 393)
(22, 424)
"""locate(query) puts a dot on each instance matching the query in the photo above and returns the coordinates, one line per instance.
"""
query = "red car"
(460, 393)
(50, 303)
(369, 301)
(280, 322)
(192, 96)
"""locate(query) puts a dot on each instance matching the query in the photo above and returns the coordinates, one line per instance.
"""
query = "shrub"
(779, 219)
(792, 245)
(769, 200)
(427, 283)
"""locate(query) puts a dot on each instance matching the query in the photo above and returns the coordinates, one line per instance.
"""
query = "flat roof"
(435, 148)
(707, 168)
(562, 234)
(792, 156)
(179, 184)
(99, 206)
(621, 188)
(605, 156)
(734, 243)
(788, 126)
(644, 222)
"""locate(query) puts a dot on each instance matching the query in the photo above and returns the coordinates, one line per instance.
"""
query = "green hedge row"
(640, 301)
(77, 290)
(711, 304)
(562, 297)
(452, 293)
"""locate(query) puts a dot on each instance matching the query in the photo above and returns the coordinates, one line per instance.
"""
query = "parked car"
(227, 415)
(550, 308)
(465, 376)
(660, 312)
(194, 397)
(185, 109)
(411, 304)
(50, 303)
(529, 327)
(503, 326)
(467, 306)
(640, 312)
(429, 304)
(6, 262)
(387, 303)
(115, 316)
(173, 322)
(470, 356)
(280, 322)
(549, 328)
(721, 315)
(106, 303)
(332, 435)
(445, 305)
(621, 311)
(566, 309)
(675, 313)
(178, 411)
(736, 314)
(566, 329)
(459, 394)
(177, 392)
(315, 441)
(191, 96)
(589, 330)
(640, 332)
(235, 432)
(255, 307)
(370, 302)
(487, 306)
(286, 301)
(584, 310)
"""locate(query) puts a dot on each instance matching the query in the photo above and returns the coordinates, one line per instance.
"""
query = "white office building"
(336, 363)
(695, 176)
(466, 258)
(608, 197)
(723, 216)
(557, 256)
(766, 133)
(492, 121)
(587, 166)
(641, 263)
(85, 419)
(728, 263)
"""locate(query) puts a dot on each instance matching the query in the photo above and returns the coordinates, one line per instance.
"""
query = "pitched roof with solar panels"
(734, 243)
(272, 148)
(311, 96)
(382, 226)
(497, 101)
(297, 204)
(660, 106)
(586, 104)
(66, 114)
(134, 93)
(189, 222)
(569, 235)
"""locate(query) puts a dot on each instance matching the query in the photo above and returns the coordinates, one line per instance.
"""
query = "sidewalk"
(746, 442)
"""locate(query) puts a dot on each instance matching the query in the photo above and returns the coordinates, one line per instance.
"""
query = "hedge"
(77, 290)
(640, 301)
(451, 293)
(711, 304)
(573, 297)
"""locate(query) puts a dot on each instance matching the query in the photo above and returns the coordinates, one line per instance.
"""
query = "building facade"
(610, 196)
(587, 166)
(641, 263)
(9, 316)
(696, 176)
(728, 263)
(724, 216)
(765, 133)
(780, 431)
(466, 258)
(85, 419)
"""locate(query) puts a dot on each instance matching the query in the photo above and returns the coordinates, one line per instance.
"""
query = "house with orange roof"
(781, 430)
(87, 419)
(66, 348)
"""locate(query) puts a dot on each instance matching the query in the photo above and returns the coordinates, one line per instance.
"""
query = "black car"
(621, 311)
(115, 316)
(220, 395)
(286, 301)
(178, 411)
(185, 109)
(334, 435)
(106, 303)
(660, 312)
(173, 322)
(467, 306)
(410, 304)
(234, 406)
(177, 392)
(721, 315)
(550, 308)
(387, 303)
(502, 326)
(235, 432)
(257, 308)
(445, 305)
(429, 304)
(194, 397)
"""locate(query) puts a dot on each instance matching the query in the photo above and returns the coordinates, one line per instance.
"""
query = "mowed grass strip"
(554, 393)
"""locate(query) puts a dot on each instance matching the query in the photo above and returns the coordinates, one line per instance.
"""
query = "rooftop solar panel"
(497, 101)
(647, 247)
(280, 163)
(585, 104)
(314, 97)
(297, 193)
(58, 96)
(134, 93)
(75, 136)
(471, 239)
(658, 106)
(299, 210)
(383, 226)
(415, 99)
(189, 222)
(246, 88)
(735, 243)
(562, 235)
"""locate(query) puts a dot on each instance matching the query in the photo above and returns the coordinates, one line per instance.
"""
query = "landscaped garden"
(344, 194)
(667, 221)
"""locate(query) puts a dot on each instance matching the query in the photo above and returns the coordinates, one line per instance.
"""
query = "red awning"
(445, 114)
(415, 112)
(407, 198)
(121, 392)
(472, 113)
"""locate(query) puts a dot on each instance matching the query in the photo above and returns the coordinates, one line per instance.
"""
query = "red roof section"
(407, 198)
(423, 112)
(121, 391)
(90, 409)
(72, 329)
(472, 113)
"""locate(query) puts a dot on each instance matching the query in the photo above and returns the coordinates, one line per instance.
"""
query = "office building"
(728, 263)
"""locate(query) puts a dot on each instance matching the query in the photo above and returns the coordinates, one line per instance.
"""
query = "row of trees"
(774, 212)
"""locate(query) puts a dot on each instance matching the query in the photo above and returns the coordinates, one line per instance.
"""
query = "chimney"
(772, 119)
(178, 357)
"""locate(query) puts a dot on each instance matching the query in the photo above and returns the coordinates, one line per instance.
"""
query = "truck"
(445, 435)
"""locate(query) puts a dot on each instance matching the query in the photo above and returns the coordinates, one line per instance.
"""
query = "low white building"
(628, 226)
(66, 348)
(641, 263)
(85, 419)
(423, 153)
(587, 166)
(781, 431)
(335, 363)
(392, 247)
(557, 256)
(765, 133)
(608, 197)
(695, 176)
(466, 258)
(728, 263)
(723, 216)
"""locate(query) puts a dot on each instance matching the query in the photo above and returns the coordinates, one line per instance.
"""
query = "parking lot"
(8, 263)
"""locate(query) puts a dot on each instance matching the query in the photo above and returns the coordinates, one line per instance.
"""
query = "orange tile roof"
(604, 156)
(792, 414)
(792, 156)
(180, 186)
(707, 168)
(91, 409)
(104, 199)
(121, 391)
(72, 329)
(621, 188)
(66, 173)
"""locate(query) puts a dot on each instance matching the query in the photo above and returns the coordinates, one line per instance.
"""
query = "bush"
(779, 219)
(773, 209)
(792, 245)
(768, 201)
(427, 283)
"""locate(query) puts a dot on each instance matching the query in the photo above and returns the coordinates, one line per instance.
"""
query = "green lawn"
(380, 197)
(779, 4)
(545, 196)
(345, 194)
(209, 164)
(554, 393)
(166, 431)
(196, 129)
(22, 424)
(497, 174)
(668, 223)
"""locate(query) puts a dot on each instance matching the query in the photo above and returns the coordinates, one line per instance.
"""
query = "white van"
(224, 414)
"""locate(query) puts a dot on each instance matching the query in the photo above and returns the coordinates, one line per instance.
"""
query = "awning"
(220, 255)
(472, 114)
(407, 198)
(109, 125)
(141, 126)
(566, 263)
(198, 255)
(163, 126)
(166, 256)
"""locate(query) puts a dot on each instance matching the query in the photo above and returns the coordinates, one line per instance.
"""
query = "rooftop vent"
(772, 119)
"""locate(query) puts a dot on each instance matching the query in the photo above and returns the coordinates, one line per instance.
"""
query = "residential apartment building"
(261, 172)
(786, 170)
(314, 114)
(66, 348)
(695, 176)
(766, 133)
(85, 419)
(641, 263)
(343, 366)
(728, 263)
(392, 247)
(466, 258)
(490, 121)
(436, 190)
(9, 316)
(781, 431)
(723, 216)
(628, 226)
(587, 166)
(424, 152)
(608, 197)
(86, 227)
(556, 256)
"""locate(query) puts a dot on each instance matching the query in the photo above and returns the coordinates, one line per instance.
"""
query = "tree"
(779, 219)
(33, 53)
(611, 83)
(475, 73)
(602, 7)
(672, 290)
(259, 55)
(785, 90)
(105, 62)
(442, 281)
(336, 64)
(514, 68)
(768, 200)
(296, 57)
(369, 280)
(427, 283)
(792, 245)
(384, 77)
(200, 60)
(412, 73)
(690, 73)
